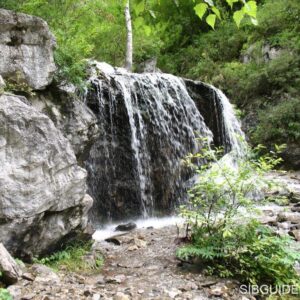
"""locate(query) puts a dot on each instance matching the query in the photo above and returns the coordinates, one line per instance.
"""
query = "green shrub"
(73, 259)
(244, 83)
(5, 295)
(279, 123)
(225, 240)
(251, 253)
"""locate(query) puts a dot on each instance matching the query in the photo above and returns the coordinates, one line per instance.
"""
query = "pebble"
(28, 276)
(121, 296)
(96, 297)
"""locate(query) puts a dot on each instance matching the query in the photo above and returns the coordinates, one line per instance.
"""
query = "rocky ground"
(141, 264)
(138, 265)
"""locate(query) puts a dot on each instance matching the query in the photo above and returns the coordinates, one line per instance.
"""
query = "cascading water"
(148, 124)
(233, 135)
(219, 116)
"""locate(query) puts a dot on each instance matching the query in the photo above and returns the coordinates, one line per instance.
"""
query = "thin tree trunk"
(129, 46)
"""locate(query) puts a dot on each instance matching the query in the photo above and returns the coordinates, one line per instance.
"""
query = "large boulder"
(42, 189)
(26, 44)
(71, 116)
(10, 271)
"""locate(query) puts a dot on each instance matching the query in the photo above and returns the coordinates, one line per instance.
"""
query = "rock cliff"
(43, 199)
(26, 50)
(42, 189)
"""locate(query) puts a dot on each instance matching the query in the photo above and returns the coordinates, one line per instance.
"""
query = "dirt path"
(143, 266)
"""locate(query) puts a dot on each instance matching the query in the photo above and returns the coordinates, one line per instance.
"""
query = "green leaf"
(138, 22)
(152, 14)
(216, 12)
(238, 17)
(147, 30)
(251, 8)
(211, 20)
(227, 233)
(176, 3)
(230, 2)
(139, 8)
(200, 9)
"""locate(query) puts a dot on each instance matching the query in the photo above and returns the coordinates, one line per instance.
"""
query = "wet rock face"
(27, 46)
(42, 189)
(209, 106)
(148, 123)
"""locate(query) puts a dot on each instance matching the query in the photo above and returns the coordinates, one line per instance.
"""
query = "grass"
(75, 258)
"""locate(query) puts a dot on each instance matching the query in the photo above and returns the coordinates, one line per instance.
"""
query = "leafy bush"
(73, 259)
(280, 123)
(225, 240)
(250, 252)
(5, 295)
(216, 57)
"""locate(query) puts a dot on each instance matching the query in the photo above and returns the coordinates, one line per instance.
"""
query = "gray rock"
(27, 45)
(71, 116)
(121, 296)
(291, 217)
(28, 277)
(126, 227)
(96, 297)
(261, 53)
(15, 291)
(10, 271)
(149, 66)
(295, 234)
(44, 274)
(294, 197)
(271, 52)
(296, 208)
(42, 189)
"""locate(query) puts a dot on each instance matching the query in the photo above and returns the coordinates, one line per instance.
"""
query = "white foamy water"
(109, 230)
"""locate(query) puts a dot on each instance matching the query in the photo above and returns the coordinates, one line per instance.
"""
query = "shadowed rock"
(126, 227)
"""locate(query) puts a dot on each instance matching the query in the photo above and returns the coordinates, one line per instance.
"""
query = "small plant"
(74, 258)
(5, 295)
(18, 85)
(226, 240)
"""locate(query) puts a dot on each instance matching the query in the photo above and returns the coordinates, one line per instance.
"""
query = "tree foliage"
(185, 45)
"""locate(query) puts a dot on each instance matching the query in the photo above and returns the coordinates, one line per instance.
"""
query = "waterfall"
(233, 134)
(219, 116)
(149, 123)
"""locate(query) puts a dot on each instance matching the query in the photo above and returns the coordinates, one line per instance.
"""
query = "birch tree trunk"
(129, 46)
